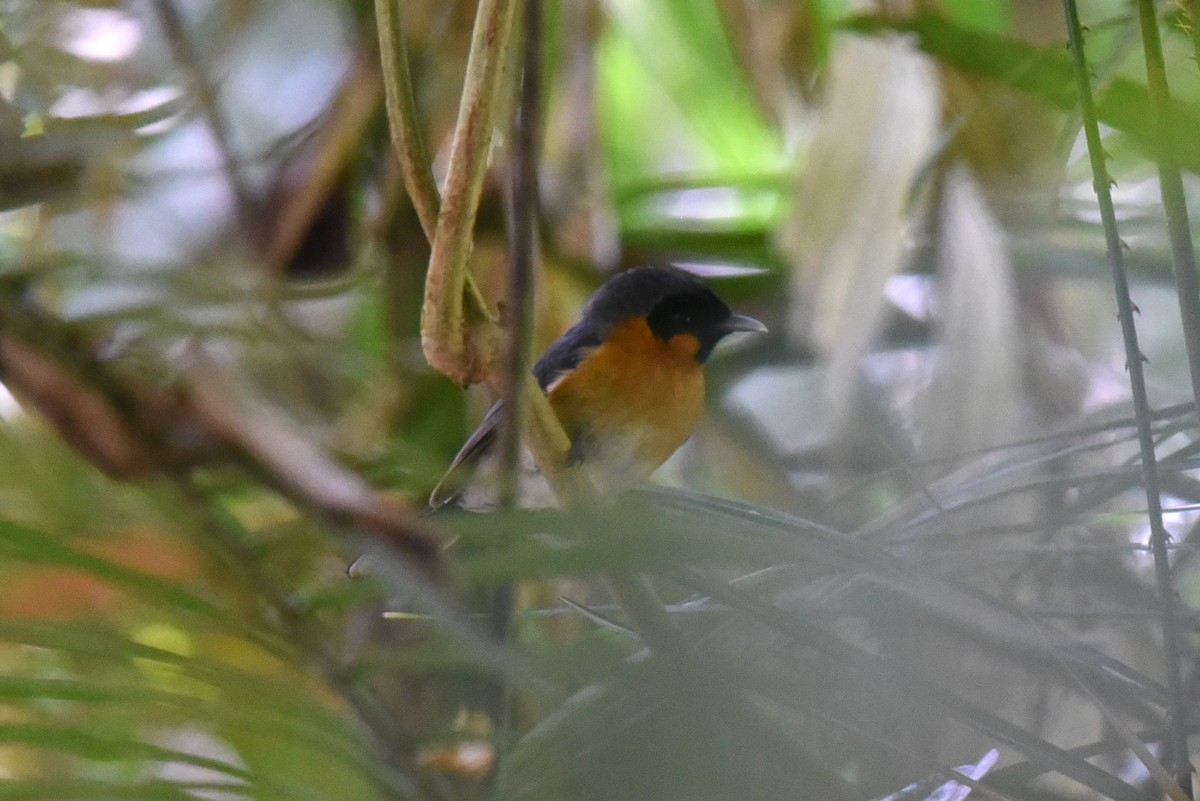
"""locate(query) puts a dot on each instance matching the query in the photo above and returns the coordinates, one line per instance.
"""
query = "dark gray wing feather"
(481, 441)
(563, 356)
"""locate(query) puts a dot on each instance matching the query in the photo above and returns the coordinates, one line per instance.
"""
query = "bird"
(626, 382)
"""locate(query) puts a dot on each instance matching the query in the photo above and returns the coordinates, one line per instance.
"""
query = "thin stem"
(1141, 405)
(206, 96)
(635, 597)
(550, 445)
(523, 200)
(458, 332)
(1187, 285)
(402, 116)
(522, 203)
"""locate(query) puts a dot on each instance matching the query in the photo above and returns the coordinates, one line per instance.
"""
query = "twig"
(81, 413)
(299, 468)
(1187, 285)
(1141, 405)
(402, 116)
(549, 444)
(522, 207)
(133, 431)
(458, 333)
(206, 96)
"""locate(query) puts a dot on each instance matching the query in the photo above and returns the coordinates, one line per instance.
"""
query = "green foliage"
(671, 62)
(1046, 73)
(120, 679)
(994, 16)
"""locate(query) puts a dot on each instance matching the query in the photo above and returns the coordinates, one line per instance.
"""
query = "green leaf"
(99, 642)
(994, 16)
(105, 747)
(100, 790)
(671, 63)
(1046, 73)
(34, 547)
(35, 125)
(243, 714)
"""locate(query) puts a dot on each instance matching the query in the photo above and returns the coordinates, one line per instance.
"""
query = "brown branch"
(131, 431)
(459, 334)
(522, 256)
(81, 415)
(460, 337)
(301, 469)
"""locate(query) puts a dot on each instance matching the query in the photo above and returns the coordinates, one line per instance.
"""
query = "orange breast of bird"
(630, 403)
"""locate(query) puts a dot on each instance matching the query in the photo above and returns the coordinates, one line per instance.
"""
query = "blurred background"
(909, 530)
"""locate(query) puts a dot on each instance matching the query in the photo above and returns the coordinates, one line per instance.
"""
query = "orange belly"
(630, 403)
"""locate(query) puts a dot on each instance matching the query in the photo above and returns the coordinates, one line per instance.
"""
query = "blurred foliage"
(909, 530)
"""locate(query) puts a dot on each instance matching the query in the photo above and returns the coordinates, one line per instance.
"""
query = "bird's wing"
(474, 449)
(563, 356)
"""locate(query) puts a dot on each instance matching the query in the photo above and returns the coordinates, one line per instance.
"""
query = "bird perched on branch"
(626, 382)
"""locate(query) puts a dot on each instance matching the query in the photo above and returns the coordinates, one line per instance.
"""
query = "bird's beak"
(740, 322)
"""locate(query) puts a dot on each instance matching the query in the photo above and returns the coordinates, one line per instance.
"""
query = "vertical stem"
(1187, 285)
(402, 116)
(523, 199)
(522, 202)
(1141, 405)
(458, 334)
